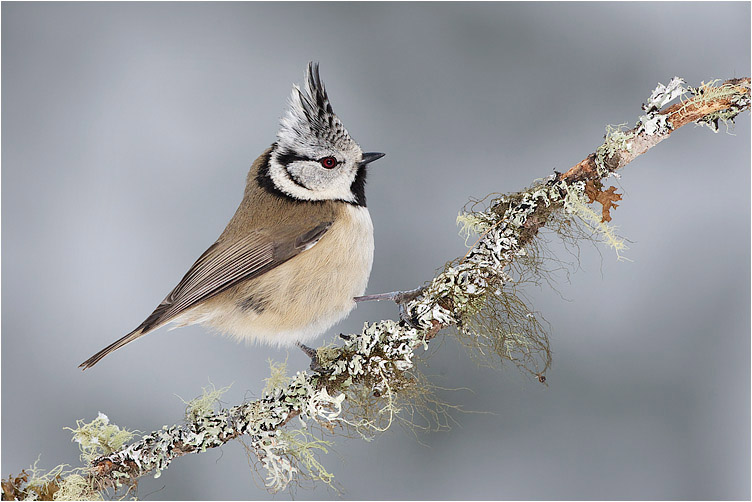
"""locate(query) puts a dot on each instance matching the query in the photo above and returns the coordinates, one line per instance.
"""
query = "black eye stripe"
(287, 157)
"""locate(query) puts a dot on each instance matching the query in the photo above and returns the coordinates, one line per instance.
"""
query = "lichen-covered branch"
(363, 384)
(707, 105)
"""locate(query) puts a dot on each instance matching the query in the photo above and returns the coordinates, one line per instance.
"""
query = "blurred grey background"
(127, 132)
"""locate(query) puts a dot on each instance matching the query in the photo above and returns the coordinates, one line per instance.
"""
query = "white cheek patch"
(299, 187)
(281, 179)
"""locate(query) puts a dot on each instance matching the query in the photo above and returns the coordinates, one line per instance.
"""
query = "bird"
(299, 247)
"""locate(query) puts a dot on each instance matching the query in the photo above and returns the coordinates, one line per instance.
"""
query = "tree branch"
(375, 366)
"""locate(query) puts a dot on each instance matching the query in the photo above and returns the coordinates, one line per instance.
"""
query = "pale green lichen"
(421, 409)
(617, 139)
(656, 123)
(77, 487)
(506, 329)
(302, 445)
(204, 404)
(576, 203)
(492, 320)
(278, 376)
(708, 92)
(711, 120)
(473, 224)
(59, 483)
(374, 415)
(41, 484)
(99, 437)
(327, 353)
(477, 294)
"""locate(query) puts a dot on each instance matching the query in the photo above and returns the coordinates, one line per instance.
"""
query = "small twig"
(398, 297)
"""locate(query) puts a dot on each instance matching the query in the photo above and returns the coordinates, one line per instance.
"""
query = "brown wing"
(223, 265)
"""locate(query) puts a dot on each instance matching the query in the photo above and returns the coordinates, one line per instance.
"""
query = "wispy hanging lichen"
(304, 447)
(576, 204)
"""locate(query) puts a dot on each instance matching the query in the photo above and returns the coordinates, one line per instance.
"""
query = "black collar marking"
(264, 179)
(358, 187)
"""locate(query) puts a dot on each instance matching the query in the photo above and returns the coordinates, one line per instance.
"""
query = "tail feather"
(154, 321)
(137, 333)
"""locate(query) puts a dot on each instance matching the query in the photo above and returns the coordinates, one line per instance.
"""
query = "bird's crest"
(310, 120)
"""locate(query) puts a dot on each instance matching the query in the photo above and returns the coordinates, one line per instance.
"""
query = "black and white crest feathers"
(310, 132)
(310, 120)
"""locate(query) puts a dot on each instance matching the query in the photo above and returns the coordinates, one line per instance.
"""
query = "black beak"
(370, 157)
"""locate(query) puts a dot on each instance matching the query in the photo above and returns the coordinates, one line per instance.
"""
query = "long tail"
(155, 320)
(137, 333)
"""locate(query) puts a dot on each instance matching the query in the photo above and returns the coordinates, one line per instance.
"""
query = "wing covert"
(225, 264)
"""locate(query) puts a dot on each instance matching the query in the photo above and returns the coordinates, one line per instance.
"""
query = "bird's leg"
(398, 297)
(315, 362)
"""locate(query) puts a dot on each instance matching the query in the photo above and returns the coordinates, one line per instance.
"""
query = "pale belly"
(305, 296)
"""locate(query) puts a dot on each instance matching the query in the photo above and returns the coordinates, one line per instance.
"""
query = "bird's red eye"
(329, 162)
